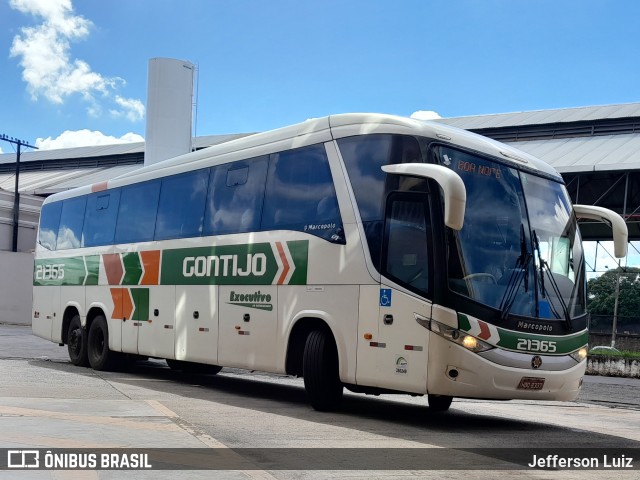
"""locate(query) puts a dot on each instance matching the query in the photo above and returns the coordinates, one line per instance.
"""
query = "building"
(596, 149)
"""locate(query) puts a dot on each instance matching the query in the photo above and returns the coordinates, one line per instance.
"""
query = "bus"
(370, 252)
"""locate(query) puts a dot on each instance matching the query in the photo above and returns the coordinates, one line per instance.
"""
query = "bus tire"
(193, 367)
(439, 403)
(100, 357)
(320, 371)
(77, 343)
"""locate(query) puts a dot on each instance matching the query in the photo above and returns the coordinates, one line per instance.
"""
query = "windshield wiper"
(544, 268)
(518, 273)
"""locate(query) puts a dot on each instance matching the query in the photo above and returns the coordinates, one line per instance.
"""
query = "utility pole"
(614, 327)
(16, 193)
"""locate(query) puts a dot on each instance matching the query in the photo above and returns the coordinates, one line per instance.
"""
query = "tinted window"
(236, 193)
(137, 214)
(71, 221)
(181, 208)
(100, 219)
(364, 156)
(300, 193)
(49, 223)
(407, 259)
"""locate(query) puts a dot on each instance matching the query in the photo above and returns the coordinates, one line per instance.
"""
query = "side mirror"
(618, 226)
(455, 193)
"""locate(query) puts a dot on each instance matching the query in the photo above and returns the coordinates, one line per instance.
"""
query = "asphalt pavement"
(46, 402)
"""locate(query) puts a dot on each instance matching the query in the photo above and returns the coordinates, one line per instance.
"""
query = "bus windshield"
(519, 250)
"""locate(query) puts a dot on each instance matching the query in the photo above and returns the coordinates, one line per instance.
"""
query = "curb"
(613, 367)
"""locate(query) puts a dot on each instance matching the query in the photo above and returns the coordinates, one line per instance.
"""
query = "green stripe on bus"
(299, 253)
(247, 264)
(550, 344)
(59, 271)
(530, 342)
(140, 298)
(132, 268)
(93, 269)
(463, 322)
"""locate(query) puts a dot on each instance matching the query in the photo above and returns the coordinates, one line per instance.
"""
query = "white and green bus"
(372, 252)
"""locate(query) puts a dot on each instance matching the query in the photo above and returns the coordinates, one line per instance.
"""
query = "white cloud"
(425, 115)
(131, 108)
(84, 138)
(49, 71)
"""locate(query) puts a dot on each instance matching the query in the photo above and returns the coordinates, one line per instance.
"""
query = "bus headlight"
(579, 355)
(461, 338)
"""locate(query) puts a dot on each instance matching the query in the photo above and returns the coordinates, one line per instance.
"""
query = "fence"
(627, 332)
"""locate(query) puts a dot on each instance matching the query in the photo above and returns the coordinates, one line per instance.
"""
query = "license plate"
(531, 383)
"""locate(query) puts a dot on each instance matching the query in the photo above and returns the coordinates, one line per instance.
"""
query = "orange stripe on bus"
(99, 187)
(122, 303)
(285, 263)
(151, 262)
(113, 268)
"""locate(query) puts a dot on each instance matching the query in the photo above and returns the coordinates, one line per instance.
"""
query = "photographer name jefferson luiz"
(557, 461)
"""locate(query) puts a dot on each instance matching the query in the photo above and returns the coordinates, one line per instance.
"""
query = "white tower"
(169, 109)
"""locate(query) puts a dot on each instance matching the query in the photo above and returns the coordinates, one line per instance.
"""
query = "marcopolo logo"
(259, 300)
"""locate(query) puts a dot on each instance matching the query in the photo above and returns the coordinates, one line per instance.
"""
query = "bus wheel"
(77, 343)
(193, 367)
(100, 357)
(320, 371)
(439, 403)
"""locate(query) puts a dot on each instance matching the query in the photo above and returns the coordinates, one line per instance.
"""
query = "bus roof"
(314, 131)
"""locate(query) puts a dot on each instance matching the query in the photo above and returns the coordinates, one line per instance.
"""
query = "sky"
(74, 72)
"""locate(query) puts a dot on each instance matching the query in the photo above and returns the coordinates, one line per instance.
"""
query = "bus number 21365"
(534, 345)
(50, 272)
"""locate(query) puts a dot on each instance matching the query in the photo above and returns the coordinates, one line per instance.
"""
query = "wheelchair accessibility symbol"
(385, 297)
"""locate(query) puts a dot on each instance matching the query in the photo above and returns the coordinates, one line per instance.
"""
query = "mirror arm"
(618, 225)
(455, 193)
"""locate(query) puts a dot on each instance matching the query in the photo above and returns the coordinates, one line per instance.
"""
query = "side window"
(71, 222)
(236, 193)
(364, 156)
(181, 207)
(49, 223)
(100, 219)
(408, 242)
(137, 213)
(300, 194)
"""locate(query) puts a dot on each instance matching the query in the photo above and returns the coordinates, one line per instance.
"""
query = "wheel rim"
(75, 341)
(98, 343)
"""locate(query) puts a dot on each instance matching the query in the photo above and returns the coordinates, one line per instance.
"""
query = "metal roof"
(584, 144)
(45, 182)
(576, 151)
(540, 117)
(107, 150)
(586, 154)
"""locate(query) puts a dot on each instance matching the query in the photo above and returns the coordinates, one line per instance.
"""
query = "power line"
(16, 194)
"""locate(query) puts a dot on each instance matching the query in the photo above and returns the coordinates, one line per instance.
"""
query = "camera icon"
(23, 459)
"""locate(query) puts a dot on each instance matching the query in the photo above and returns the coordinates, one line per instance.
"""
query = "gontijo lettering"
(225, 265)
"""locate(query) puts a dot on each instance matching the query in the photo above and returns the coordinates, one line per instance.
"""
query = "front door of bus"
(405, 287)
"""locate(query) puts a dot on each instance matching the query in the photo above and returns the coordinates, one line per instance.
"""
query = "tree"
(602, 291)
